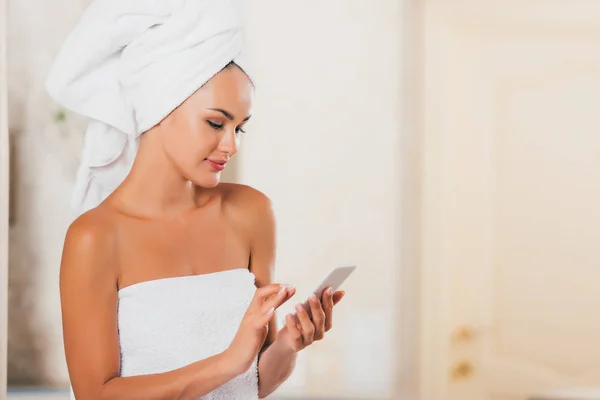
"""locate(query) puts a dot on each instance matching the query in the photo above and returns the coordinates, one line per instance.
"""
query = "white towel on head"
(127, 65)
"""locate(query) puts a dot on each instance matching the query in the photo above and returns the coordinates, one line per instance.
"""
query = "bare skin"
(171, 217)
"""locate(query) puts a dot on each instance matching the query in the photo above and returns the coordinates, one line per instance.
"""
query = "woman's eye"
(214, 125)
(239, 130)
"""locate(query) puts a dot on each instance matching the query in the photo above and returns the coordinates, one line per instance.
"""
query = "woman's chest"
(153, 251)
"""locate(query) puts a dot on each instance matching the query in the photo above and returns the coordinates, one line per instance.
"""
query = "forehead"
(230, 88)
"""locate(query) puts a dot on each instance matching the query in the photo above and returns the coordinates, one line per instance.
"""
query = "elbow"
(90, 395)
(263, 391)
(88, 392)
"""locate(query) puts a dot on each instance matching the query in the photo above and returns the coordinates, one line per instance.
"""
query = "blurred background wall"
(44, 154)
(325, 146)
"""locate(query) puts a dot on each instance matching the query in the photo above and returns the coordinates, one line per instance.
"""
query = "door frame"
(4, 187)
(409, 380)
(434, 30)
(422, 364)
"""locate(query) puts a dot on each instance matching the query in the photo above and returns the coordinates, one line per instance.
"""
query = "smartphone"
(334, 280)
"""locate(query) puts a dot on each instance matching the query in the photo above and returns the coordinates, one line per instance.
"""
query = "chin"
(207, 182)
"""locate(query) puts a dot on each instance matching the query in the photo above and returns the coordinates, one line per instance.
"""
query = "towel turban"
(127, 65)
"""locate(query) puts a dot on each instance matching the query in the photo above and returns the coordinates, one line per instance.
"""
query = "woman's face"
(202, 134)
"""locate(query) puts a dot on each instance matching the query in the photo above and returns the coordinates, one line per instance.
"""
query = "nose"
(229, 143)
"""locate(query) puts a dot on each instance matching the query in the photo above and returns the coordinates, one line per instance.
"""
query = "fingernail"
(330, 291)
(299, 308)
(282, 289)
(271, 311)
(291, 287)
(313, 297)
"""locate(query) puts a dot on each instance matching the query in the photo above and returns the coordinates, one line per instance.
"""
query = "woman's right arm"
(88, 289)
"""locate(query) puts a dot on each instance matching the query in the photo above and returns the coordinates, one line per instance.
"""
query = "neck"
(154, 187)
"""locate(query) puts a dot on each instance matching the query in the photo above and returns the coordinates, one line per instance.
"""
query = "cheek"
(188, 147)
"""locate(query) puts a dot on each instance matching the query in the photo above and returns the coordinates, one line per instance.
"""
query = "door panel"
(511, 188)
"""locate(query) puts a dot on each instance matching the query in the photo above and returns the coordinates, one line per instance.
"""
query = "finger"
(262, 293)
(291, 291)
(264, 319)
(306, 326)
(292, 327)
(277, 300)
(318, 317)
(338, 296)
(328, 308)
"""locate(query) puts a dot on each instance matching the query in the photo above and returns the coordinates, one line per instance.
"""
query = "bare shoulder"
(90, 248)
(91, 230)
(251, 211)
(246, 202)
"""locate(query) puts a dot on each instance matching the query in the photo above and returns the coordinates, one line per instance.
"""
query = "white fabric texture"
(166, 324)
(127, 65)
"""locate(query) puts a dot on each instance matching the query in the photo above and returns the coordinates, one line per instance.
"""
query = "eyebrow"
(228, 115)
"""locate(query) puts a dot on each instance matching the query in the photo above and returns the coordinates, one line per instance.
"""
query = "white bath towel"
(166, 324)
(127, 65)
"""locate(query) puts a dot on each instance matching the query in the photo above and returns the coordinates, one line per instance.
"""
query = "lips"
(217, 165)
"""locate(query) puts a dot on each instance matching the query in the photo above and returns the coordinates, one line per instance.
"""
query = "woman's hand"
(299, 333)
(254, 327)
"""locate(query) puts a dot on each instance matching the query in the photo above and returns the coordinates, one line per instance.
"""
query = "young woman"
(166, 276)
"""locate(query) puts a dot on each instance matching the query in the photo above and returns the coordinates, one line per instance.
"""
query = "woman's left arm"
(274, 365)
(278, 357)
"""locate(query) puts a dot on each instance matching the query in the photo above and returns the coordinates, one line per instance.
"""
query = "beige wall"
(324, 144)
